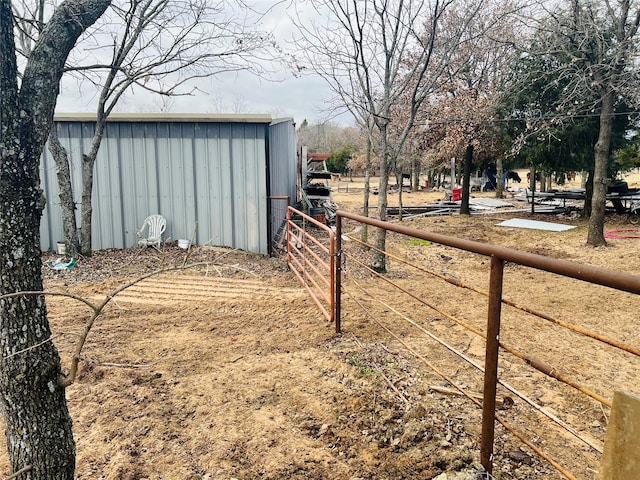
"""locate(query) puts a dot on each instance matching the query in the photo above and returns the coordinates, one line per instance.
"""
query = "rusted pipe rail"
(531, 361)
(318, 279)
(458, 283)
(499, 255)
(600, 276)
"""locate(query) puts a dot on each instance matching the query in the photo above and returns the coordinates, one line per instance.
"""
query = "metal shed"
(209, 176)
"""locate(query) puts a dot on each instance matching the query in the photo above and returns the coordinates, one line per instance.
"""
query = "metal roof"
(168, 117)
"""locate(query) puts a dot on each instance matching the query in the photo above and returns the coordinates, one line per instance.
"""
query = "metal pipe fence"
(499, 256)
(311, 257)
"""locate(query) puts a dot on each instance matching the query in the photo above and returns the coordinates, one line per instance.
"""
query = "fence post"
(491, 363)
(288, 237)
(337, 286)
(620, 460)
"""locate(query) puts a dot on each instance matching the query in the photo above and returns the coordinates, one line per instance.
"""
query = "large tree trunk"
(500, 186)
(415, 174)
(38, 424)
(466, 174)
(32, 400)
(595, 237)
(379, 259)
(588, 193)
(367, 189)
(65, 192)
(86, 209)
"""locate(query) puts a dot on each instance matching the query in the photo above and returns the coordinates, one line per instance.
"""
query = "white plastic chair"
(156, 225)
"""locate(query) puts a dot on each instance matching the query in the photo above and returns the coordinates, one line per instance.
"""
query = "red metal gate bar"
(319, 285)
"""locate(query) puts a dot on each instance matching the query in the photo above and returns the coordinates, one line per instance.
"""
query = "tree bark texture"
(88, 166)
(500, 187)
(65, 192)
(37, 421)
(379, 259)
(367, 189)
(415, 174)
(86, 209)
(595, 236)
(588, 189)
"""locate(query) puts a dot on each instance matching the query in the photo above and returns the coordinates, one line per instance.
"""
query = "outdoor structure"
(210, 176)
(315, 191)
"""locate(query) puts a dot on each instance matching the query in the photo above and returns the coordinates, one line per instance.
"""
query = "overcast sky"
(302, 98)
(299, 98)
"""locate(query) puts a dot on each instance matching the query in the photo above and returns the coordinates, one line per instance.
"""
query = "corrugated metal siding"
(282, 159)
(282, 167)
(205, 174)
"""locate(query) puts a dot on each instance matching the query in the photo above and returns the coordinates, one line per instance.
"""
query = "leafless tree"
(461, 113)
(326, 137)
(373, 53)
(33, 404)
(161, 47)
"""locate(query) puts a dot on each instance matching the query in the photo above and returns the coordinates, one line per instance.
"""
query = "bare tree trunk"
(65, 192)
(378, 262)
(595, 237)
(588, 193)
(88, 165)
(499, 179)
(38, 426)
(400, 183)
(468, 158)
(367, 189)
(532, 188)
(415, 174)
(86, 210)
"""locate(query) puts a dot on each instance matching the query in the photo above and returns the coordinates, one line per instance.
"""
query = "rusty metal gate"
(311, 257)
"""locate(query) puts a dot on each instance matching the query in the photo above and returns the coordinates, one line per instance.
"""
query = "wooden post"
(491, 363)
(621, 457)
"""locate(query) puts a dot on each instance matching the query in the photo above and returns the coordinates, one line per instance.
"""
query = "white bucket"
(184, 244)
(61, 248)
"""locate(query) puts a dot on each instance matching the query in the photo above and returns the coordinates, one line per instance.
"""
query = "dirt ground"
(229, 370)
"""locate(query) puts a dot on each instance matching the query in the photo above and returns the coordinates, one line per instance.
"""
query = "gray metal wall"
(209, 174)
(282, 158)
(282, 170)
